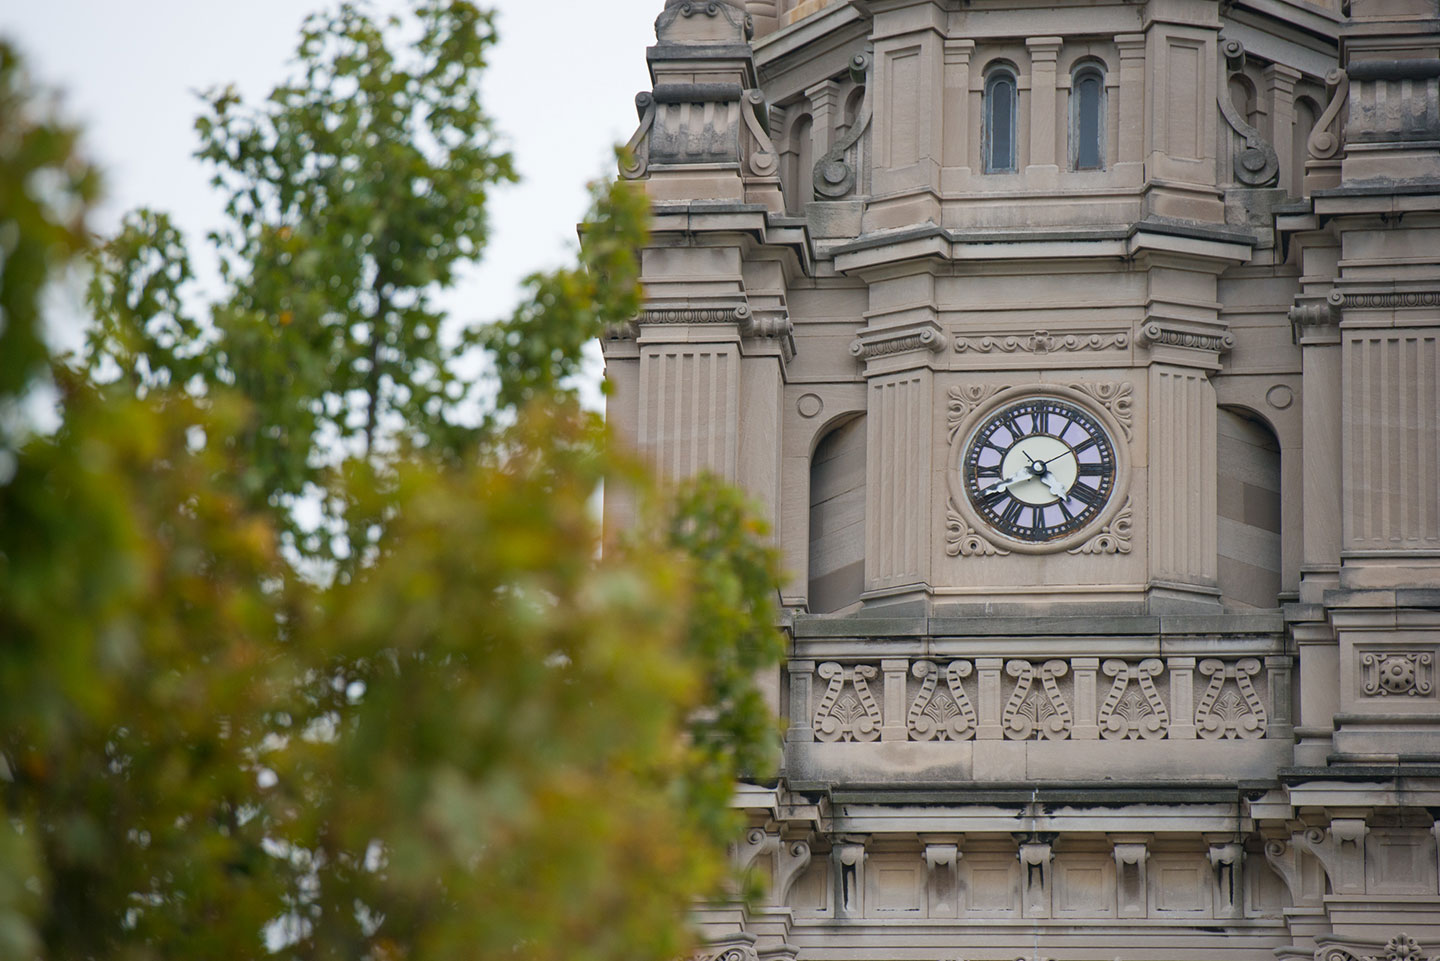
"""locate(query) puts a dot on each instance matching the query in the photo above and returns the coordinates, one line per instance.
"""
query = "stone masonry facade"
(1085, 357)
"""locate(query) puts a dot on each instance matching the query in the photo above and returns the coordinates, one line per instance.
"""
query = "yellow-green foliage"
(493, 736)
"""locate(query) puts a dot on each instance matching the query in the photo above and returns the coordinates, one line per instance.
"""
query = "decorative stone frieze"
(1042, 342)
(929, 699)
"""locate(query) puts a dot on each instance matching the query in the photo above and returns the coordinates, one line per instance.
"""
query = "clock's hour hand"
(1021, 474)
(1056, 488)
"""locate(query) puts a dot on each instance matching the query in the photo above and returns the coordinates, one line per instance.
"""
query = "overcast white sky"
(560, 87)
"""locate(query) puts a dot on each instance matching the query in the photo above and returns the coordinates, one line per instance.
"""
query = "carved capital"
(886, 342)
(1158, 334)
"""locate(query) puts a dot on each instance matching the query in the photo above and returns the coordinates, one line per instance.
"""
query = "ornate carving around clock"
(1043, 342)
(961, 540)
(962, 402)
(1038, 470)
(1114, 537)
(1116, 397)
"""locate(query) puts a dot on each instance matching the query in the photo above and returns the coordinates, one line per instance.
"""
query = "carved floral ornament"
(1110, 403)
(1387, 674)
(1401, 947)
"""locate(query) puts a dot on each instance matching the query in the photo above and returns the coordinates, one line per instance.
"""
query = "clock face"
(1039, 470)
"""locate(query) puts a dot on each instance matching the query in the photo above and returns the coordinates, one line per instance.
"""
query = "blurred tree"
(495, 735)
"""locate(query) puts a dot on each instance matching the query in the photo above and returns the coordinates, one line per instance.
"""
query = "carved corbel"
(1131, 853)
(1227, 861)
(942, 862)
(1035, 877)
(849, 878)
(791, 860)
(756, 843)
(834, 175)
(1341, 852)
(1297, 867)
(1256, 163)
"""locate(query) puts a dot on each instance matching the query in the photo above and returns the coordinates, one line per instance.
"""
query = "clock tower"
(1085, 357)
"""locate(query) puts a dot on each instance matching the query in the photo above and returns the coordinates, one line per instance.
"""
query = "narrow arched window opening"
(1087, 119)
(999, 133)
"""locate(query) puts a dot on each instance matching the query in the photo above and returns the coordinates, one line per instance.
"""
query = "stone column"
(825, 105)
(990, 700)
(1182, 697)
(957, 103)
(894, 706)
(802, 674)
(1044, 124)
(1277, 679)
(1086, 728)
(1316, 327)
(1280, 82)
(1132, 97)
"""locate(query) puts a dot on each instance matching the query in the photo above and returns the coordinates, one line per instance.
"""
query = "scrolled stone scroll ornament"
(731, 9)
(1256, 163)
(834, 176)
(962, 540)
(764, 161)
(1114, 537)
(635, 159)
(1325, 140)
(743, 952)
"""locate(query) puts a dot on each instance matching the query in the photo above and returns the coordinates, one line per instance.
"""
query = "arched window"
(1087, 118)
(999, 134)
